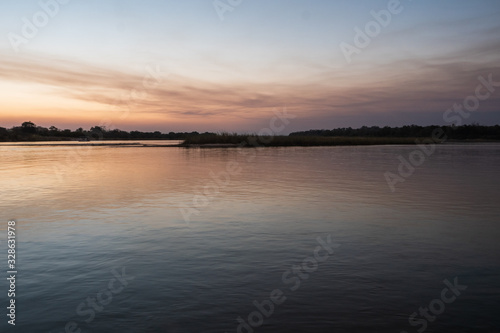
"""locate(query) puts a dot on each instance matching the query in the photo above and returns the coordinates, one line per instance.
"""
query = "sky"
(231, 65)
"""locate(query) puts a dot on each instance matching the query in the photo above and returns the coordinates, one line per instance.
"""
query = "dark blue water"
(102, 245)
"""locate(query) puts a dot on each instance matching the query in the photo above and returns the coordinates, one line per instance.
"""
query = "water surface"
(83, 212)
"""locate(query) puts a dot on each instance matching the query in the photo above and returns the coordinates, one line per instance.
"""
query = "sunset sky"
(189, 65)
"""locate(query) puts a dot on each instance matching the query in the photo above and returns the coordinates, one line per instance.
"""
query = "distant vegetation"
(465, 132)
(374, 135)
(348, 136)
(250, 140)
(28, 131)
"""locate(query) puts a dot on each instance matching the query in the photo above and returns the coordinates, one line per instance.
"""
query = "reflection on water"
(90, 143)
(84, 211)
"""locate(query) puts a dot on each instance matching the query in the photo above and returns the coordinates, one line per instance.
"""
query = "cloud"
(401, 86)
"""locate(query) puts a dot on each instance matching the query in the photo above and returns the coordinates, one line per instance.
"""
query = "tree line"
(28, 131)
(464, 132)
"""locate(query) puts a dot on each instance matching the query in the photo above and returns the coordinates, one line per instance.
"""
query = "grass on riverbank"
(228, 139)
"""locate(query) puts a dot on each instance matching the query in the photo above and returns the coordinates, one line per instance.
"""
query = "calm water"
(83, 212)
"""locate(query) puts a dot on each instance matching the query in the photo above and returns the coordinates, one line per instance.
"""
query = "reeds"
(253, 140)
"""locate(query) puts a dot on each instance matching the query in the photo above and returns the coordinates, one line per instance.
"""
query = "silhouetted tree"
(28, 127)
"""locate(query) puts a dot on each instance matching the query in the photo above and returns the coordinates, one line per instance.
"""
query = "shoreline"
(292, 142)
(209, 146)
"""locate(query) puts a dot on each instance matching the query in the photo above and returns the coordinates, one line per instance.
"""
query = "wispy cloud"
(404, 85)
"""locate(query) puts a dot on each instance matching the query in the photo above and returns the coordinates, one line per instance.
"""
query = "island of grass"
(240, 140)
(374, 135)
